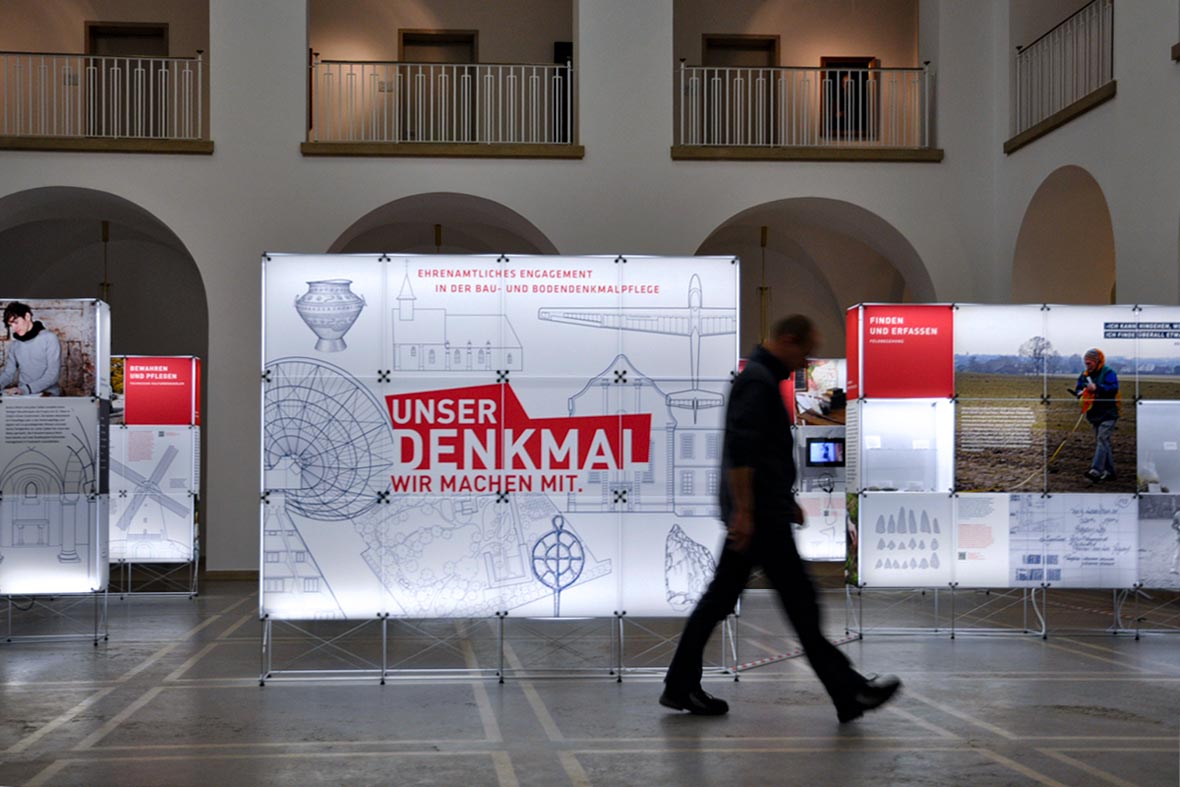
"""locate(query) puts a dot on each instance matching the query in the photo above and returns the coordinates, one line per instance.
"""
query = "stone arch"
(822, 256)
(470, 225)
(1065, 249)
(51, 247)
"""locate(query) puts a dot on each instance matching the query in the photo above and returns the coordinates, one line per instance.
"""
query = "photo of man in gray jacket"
(32, 362)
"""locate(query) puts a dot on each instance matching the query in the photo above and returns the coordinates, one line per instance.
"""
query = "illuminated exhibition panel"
(980, 418)
(53, 451)
(465, 436)
(155, 459)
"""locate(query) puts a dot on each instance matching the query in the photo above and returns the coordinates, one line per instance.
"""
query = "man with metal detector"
(1098, 389)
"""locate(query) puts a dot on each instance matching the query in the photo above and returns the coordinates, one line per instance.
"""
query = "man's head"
(18, 317)
(791, 340)
(1094, 359)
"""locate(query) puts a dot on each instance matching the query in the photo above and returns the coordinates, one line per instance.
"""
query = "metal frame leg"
(1045, 612)
(267, 645)
(500, 637)
(734, 620)
(622, 642)
(953, 586)
(384, 646)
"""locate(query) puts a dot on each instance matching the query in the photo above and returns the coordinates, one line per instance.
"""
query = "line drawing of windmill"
(694, 322)
(558, 560)
(149, 488)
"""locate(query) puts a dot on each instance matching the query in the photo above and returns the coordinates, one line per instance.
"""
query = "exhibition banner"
(1001, 352)
(55, 386)
(852, 341)
(1157, 352)
(53, 495)
(905, 540)
(1061, 416)
(466, 436)
(1159, 541)
(160, 390)
(1158, 447)
(822, 536)
(908, 351)
(59, 347)
(154, 484)
(1073, 419)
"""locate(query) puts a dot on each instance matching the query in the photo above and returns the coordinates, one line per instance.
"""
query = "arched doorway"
(1065, 249)
(469, 225)
(51, 246)
(821, 256)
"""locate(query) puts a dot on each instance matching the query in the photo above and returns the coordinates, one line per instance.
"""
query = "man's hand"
(741, 529)
(13, 391)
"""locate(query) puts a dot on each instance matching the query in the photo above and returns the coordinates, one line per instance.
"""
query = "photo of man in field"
(1019, 424)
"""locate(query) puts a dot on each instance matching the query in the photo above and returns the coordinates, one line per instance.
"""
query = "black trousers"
(772, 548)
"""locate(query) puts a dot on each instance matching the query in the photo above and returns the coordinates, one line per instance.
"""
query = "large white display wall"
(466, 436)
(969, 446)
(53, 456)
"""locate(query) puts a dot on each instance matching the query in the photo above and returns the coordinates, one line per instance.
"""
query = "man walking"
(758, 506)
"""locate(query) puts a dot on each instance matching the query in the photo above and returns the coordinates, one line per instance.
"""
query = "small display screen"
(825, 452)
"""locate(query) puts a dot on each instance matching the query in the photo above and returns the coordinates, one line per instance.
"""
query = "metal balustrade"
(1066, 64)
(52, 94)
(804, 107)
(384, 101)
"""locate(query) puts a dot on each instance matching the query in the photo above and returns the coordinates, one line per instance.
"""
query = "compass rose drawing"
(558, 560)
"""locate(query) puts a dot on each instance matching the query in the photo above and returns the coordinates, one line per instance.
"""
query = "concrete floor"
(173, 698)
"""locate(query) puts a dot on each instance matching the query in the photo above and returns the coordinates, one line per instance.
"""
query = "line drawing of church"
(49, 505)
(435, 340)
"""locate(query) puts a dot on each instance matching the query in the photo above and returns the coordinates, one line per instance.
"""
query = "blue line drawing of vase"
(329, 308)
(558, 560)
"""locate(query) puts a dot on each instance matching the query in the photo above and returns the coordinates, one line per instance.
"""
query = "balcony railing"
(1065, 65)
(804, 107)
(395, 102)
(78, 96)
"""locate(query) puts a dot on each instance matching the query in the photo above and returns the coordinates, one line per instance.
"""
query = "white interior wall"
(1065, 246)
(510, 31)
(807, 29)
(1028, 20)
(1127, 145)
(59, 25)
(961, 216)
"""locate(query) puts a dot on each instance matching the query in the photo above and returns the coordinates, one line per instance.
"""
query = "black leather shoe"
(696, 701)
(874, 693)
